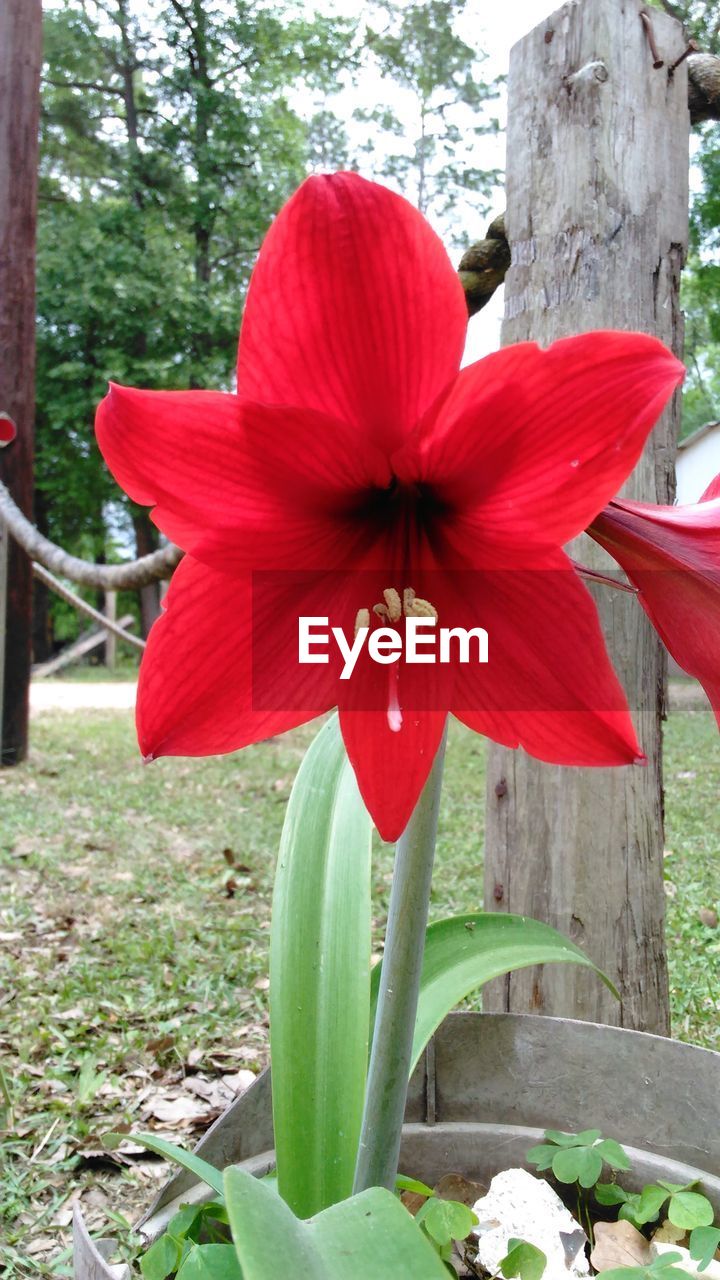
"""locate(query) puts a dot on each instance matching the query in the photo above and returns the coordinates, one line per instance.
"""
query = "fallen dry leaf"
(453, 1186)
(175, 1112)
(413, 1201)
(619, 1244)
(668, 1234)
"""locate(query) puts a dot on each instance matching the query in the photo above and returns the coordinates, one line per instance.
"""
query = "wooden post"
(597, 197)
(111, 638)
(20, 56)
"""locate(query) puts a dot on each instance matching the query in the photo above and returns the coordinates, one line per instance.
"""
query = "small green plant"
(661, 1268)
(703, 1244)
(175, 1251)
(686, 1209)
(442, 1221)
(577, 1157)
(523, 1260)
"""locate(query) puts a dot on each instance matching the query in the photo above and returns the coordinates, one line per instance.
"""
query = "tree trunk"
(20, 56)
(597, 223)
(146, 541)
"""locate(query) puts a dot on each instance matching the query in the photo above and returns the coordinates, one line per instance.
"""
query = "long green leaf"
(462, 953)
(205, 1172)
(368, 1237)
(320, 979)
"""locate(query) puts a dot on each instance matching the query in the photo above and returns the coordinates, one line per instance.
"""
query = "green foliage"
(194, 1164)
(179, 1248)
(577, 1157)
(210, 1262)
(418, 46)
(168, 143)
(703, 1245)
(371, 1234)
(466, 951)
(444, 1222)
(661, 1268)
(320, 979)
(686, 1209)
(523, 1260)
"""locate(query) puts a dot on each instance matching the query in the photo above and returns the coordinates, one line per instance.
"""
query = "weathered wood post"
(111, 638)
(20, 55)
(597, 198)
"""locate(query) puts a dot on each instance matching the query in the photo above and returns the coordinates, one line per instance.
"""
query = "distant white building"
(698, 462)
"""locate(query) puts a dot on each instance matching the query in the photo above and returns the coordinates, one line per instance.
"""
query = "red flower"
(356, 459)
(7, 430)
(672, 555)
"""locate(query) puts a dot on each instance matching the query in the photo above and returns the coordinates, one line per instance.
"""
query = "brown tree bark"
(146, 541)
(20, 58)
(597, 225)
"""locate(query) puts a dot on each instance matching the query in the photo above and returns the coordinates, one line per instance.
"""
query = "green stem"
(391, 1054)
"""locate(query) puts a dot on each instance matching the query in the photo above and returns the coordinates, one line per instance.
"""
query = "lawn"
(134, 913)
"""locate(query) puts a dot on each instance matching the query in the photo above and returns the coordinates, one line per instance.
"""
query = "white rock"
(522, 1207)
(711, 1272)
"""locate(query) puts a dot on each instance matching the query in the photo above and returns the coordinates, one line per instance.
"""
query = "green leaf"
(464, 952)
(184, 1220)
(369, 1235)
(610, 1193)
(541, 1156)
(211, 1262)
(703, 1245)
(675, 1186)
(320, 979)
(587, 1137)
(202, 1170)
(523, 1260)
(577, 1164)
(161, 1259)
(649, 1203)
(446, 1220)
(689, 1209)
(411, 1184)
(562, 1139)
(613, 1154)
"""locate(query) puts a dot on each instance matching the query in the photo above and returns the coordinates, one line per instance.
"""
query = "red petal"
(240, 486)
(172, 442)
(391, 767)
(354, 309)
(530, 444)
(195, 695)
(549, 685)
(672, 554)
(712, 491)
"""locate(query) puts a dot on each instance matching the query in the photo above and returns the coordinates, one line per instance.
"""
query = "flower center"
(393, 609)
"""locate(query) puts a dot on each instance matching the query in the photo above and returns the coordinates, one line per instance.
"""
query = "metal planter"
(488, 1085)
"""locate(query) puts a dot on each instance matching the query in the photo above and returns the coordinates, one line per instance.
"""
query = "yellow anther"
(394, 606)
(417, 608)
(362, 619)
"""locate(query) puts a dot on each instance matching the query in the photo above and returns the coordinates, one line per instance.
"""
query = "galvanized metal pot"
(488, 1086)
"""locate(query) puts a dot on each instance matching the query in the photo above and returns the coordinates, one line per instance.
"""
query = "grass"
(134, 914)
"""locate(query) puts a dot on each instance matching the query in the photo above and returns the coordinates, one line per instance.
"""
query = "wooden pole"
(597, 197)
(111, 639)
(20, 57)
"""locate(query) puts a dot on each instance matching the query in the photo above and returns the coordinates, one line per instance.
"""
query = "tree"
(168, 143)
(418, 47)
(701, 279)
